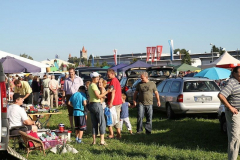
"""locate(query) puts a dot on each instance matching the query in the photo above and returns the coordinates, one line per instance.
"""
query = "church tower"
(83, 53)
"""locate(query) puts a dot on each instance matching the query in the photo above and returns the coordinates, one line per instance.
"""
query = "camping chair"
(15, 135)
(38, 145)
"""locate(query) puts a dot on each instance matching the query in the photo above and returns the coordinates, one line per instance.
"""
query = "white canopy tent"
(35, 63)
(224, 61)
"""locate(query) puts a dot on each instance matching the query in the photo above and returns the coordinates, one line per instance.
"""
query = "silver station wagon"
(187, 95)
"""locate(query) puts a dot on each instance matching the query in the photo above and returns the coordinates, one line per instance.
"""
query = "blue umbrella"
(214, 73)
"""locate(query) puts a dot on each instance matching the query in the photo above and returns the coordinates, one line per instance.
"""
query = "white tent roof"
(51, 62)
(35, 63)
(226, 58)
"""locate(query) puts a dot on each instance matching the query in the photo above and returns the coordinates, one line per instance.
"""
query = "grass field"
(185, 138)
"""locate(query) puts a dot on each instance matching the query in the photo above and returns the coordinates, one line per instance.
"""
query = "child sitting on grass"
(78, 101)
(124, 117)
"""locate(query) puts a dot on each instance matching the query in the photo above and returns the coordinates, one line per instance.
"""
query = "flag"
(148, 52)
(115, 56)
(159, 52)
(56, 56)
(92, 61)
(171, 49)
(153, 53)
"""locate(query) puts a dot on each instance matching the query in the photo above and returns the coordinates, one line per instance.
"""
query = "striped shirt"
(232, 92)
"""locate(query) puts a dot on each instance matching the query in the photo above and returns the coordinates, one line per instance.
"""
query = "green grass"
(184, 138)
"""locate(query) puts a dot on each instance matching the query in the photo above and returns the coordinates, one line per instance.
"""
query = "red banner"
(115, 56)
(159, 52)
(153, 53)
(148, 52)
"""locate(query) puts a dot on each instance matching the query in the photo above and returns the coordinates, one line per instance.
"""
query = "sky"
(45, 28)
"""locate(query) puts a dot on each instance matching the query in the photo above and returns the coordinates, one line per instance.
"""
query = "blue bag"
(108, 116)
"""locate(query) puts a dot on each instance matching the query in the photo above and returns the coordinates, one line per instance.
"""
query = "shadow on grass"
(188, 133)
(112, 152)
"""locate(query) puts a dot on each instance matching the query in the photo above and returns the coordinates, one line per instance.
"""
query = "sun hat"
(94, 74)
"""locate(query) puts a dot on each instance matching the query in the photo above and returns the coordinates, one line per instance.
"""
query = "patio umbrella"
(214, 73)
(13, 65)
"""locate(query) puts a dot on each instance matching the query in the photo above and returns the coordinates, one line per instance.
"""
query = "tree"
(134, 60)
(176, 50)
(97, 64)
(26, 56)
(104, 64)
(186, 58)
(90, 57)
(220, 50)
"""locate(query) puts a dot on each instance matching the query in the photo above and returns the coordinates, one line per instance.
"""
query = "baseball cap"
(94, 74)
(16, 96)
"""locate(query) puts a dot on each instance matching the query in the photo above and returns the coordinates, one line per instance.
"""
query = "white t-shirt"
(16, 115)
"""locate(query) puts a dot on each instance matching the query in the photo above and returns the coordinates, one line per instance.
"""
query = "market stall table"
(36, 117)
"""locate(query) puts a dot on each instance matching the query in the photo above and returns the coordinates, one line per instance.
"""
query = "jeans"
(149, 112)
(35, 97)
(97, 117)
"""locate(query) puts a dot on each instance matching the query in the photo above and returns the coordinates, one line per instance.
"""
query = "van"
(5, 151)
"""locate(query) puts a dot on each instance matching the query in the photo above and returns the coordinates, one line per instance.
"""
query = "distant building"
(197, 58)
(83, 53)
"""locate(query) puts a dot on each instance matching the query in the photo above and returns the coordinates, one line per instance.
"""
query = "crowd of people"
(99, 97)
(102, 98)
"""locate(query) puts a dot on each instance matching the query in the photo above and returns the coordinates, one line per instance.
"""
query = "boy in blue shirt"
(78, 101)
(124, 116)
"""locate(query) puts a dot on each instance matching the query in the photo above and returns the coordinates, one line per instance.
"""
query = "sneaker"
(140, 132)
(79, 142)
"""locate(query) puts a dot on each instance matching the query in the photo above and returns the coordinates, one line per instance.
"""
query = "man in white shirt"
(53, 86)
(18, 116)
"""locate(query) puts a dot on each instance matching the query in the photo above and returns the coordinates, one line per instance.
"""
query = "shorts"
(80, 123)
(70, 108)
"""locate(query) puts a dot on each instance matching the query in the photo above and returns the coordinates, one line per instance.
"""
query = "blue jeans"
(149, 112)
(97, 117)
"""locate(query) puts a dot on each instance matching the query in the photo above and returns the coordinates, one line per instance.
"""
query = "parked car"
(57, 75)
(84, 72)
(132, 74)
(222, 118)
(187, 95)
(155, 74)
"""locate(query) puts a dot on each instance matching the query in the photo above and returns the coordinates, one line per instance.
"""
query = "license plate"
(203, 99)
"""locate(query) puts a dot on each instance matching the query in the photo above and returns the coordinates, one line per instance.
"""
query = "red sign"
(159, 52)
(148, 52)
(115, 56)
(153, 53)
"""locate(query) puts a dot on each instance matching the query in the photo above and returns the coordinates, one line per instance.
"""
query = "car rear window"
(167, 86)
(175, 87)
(200, 86)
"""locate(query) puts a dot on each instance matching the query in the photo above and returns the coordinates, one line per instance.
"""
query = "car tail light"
(126, 88)
(180, 98)
(3, 96)
(4, 131)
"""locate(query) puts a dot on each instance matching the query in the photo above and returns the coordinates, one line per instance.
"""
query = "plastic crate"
(51, 143)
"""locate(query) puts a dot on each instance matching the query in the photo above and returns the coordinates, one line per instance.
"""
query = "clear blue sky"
(48, 27)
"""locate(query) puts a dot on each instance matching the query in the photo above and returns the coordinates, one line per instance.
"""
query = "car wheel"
(223, 124)
(170, 113)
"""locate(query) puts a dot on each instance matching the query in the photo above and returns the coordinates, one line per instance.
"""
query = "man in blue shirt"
(78, 101)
